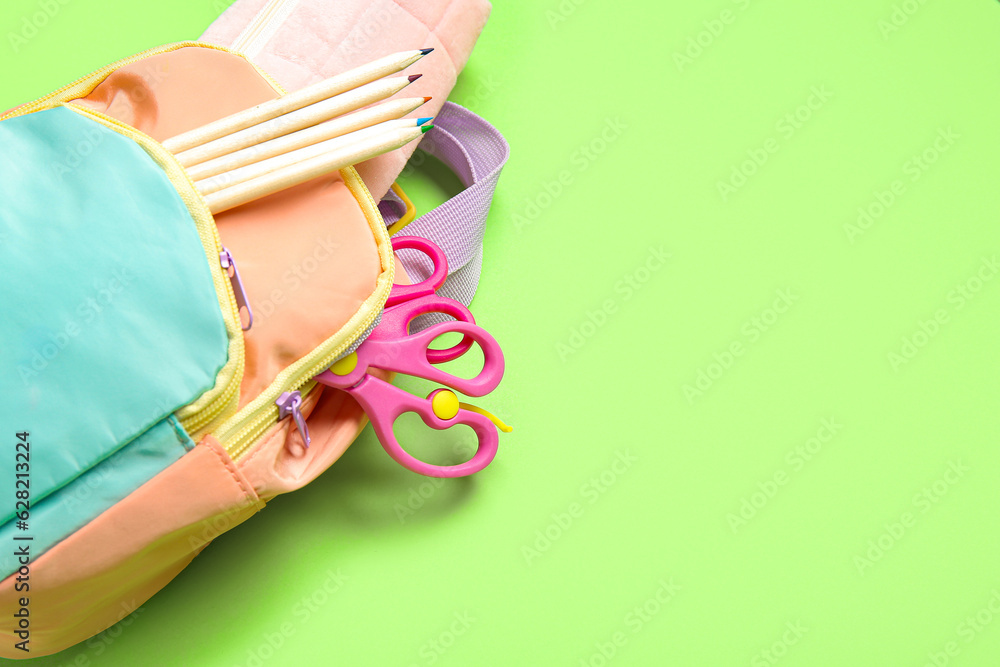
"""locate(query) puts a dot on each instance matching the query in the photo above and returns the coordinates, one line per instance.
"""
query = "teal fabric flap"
(110, 318)
(73, 506)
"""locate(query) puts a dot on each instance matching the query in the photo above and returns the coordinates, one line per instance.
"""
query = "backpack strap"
(476, 152)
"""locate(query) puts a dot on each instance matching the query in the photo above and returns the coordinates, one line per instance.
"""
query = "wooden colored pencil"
(331, 129)
(300, 119)
(301, 172)
(259, 168)
(303, 97)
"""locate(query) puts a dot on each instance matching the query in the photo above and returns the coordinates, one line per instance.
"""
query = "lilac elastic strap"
(476, 152)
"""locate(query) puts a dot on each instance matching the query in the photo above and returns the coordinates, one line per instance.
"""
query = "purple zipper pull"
(290, 403)
(226, 258)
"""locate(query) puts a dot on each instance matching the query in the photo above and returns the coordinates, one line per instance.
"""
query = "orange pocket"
(120, 559)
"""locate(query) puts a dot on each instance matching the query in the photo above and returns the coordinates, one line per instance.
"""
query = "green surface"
(867, 485)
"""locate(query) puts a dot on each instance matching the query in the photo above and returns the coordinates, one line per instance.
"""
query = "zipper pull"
(227, 261)
(290, 403)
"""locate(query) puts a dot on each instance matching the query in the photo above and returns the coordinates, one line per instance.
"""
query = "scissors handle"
(384, 404)
(401, 293)
(395, 323)
(411, 355)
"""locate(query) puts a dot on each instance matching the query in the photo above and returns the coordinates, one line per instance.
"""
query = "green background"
(741, 530)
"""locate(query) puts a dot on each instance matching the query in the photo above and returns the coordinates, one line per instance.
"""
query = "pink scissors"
(391, 347)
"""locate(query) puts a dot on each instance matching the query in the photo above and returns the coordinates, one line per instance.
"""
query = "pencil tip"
(421, 121)
(424, 52)
(427, 99)
(414, 77)
(424, 128)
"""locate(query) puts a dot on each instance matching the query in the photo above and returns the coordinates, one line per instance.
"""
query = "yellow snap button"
(445, 404)
(345, 365)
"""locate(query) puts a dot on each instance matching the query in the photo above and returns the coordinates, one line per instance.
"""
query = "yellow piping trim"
(238, 432)
(219, 402)
(85, 85)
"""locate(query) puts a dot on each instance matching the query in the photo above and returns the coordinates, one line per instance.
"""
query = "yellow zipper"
(84, 85)
(220, 401)
(237, 433)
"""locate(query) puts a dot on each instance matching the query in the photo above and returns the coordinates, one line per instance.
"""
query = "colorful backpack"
(157, 395)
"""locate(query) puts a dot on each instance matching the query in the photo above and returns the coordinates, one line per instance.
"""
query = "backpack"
(151, 409)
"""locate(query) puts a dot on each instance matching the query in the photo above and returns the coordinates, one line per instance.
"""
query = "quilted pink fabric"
(307, 40)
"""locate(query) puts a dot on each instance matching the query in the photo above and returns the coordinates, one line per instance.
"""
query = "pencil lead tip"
(427, 99)
(424, 52)
(414, 77)
(424, 128)
(421, 121)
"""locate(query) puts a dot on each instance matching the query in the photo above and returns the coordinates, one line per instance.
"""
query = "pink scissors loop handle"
(396, 323)
(411, 355)
(396, 320)
(402, 293)
(385, 403)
